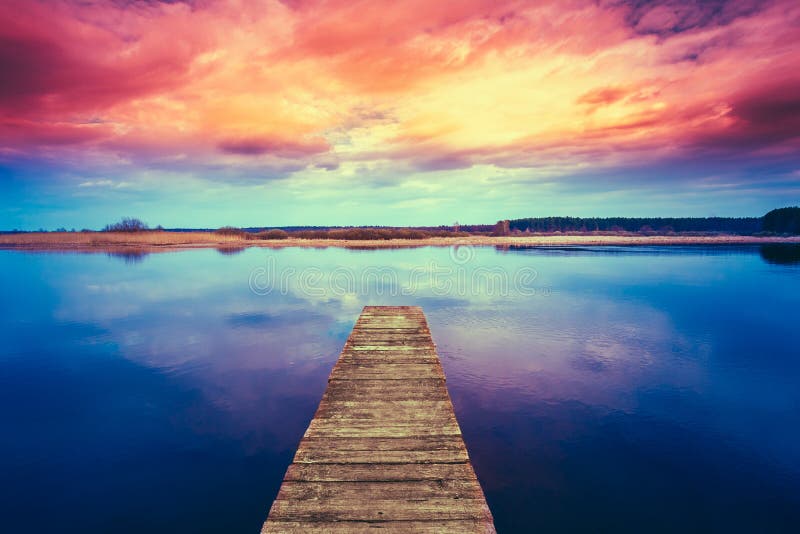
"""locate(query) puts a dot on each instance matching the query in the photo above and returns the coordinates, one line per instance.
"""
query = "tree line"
(778, 221)
(739, 225)
(783, 221)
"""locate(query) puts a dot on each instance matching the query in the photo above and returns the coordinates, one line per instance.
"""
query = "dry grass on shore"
(160, 240)
(102, 239)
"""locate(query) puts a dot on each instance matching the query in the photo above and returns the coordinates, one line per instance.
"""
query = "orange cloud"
(430, 85)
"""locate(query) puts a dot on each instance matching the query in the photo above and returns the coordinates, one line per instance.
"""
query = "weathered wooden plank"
(406, 334)
(385, 371)
(390, 358)
(305, 490)
(359, 428)
(394, 405)
(367, 335)
(327, 456)
(391, 410)
(384, 416)
(387, 472)
(362, 527)
(384, 329)
(388, 341)
(372, 509)
(387, 348)
(353, 390)
(418, 384)
(420, 443)
(405, 321)
(348, 390)
(384, 450)
(379, 324)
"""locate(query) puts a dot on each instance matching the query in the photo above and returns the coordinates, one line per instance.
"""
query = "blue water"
(625, 389)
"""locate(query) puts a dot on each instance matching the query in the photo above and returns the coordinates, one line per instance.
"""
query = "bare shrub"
(127, 224)
(275, 233)
(231, 231)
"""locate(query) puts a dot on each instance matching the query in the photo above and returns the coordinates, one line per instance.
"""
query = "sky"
(206, 113)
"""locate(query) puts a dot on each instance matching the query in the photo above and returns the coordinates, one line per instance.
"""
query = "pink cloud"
(321, 83)
(22, 133)
(603, 96)
(759, 117)
(59, 61)
(276, 147)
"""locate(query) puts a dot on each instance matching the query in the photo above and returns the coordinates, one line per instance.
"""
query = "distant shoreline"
(167, 241)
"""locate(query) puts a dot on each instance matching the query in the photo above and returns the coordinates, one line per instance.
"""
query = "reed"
(91, 239)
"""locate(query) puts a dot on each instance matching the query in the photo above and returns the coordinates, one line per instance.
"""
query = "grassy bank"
(165, 240)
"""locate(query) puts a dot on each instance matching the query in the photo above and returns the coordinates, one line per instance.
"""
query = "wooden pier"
(384, 450)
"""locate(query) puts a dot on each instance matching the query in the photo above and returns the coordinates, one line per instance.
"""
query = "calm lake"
(614, 389)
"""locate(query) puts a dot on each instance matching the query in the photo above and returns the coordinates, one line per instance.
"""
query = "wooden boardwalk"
(384, 450)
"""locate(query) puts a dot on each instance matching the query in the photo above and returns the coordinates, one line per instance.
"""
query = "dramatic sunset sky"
(264, 112)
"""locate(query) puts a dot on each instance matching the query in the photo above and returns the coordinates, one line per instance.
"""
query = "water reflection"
(230, 251)
(628, 250)
(130, 257)
(646, 390)
(780, 254)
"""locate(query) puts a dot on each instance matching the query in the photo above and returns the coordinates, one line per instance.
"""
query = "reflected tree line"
(773, 253)
(132, 257)
(780, 254)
